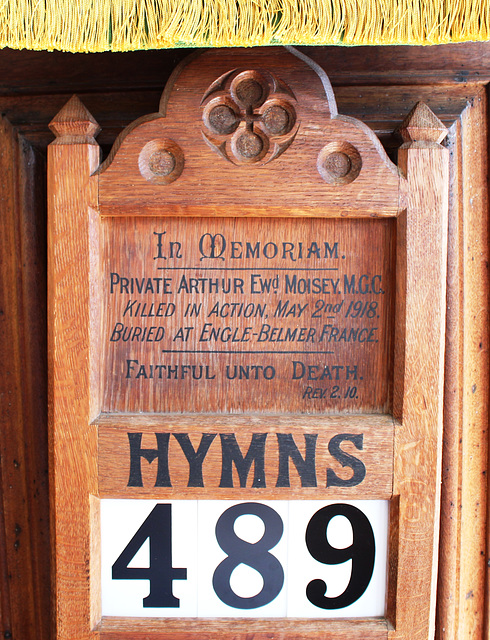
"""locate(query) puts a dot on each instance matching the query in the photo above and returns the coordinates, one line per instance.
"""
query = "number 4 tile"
(147, 548)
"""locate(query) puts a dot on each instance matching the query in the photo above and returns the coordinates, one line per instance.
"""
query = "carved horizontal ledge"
(240, 211)
(242, 629)
(254, 420)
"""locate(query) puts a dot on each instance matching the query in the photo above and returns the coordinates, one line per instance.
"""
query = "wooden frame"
(461, 592)
(419, 412)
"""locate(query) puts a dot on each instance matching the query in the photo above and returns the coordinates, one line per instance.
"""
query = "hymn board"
(246, 356)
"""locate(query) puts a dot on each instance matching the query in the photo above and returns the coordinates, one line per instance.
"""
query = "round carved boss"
(161, 161)
(339, 163)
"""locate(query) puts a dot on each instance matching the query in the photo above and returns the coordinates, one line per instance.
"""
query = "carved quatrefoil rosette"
(249, 116)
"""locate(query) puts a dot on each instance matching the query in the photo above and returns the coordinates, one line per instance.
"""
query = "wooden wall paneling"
(419, 360)
(475, 367)
(449, 560)
(463, 555)
(380, 107)
(27, 73)
(24, 520)
(40, 76)
(73, 156)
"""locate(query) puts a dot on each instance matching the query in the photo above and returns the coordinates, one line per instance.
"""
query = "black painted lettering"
(313, 250)
(350, 285)
(130, 366)
(195, 458)
(175, 250)
(136, 453)
(346, 460)
(376, 285)
(270, 250)
(114, 280)
(129, 307)
(331, 252)
(287, 249)
(236, 249)
(159, 235)
(231, 454)
(364, 285)
(299, 370)
(304, 466)
(252, 251)
(212, 246)
(183, 334)
(193, 309)
(351, 372)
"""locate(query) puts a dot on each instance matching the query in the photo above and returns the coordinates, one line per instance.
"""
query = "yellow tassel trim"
(128, 25)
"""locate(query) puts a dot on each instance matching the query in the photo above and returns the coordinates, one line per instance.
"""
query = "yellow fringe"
(128, 25)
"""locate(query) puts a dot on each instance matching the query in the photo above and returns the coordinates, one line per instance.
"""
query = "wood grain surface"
(461, 592)
(137, 629)
(73, 445)
(254, 183)
(381, 108)
(233, 315)
(24, 504)
(148, 164)
(27, 73)
(367, 438)
(117, 88)
(416, 467)
(419, 367)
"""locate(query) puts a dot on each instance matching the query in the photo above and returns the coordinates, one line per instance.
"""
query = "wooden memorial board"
(246, 350)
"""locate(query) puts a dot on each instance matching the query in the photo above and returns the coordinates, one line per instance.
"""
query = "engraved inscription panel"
(246, 315)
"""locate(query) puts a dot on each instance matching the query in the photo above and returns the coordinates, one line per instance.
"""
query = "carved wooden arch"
(294, 118)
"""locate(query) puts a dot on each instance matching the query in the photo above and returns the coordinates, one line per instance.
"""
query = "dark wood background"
(378, 85)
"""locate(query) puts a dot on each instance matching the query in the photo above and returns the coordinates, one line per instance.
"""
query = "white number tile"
(303, 568)
(120, 519)
(245, 581)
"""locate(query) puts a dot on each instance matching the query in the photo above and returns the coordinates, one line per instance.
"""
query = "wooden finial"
(74, 124)
(422, 124)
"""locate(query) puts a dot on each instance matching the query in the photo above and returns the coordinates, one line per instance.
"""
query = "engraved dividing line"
(245, 269)
(304, 353)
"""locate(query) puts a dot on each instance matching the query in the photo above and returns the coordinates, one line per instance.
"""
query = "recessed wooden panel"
(247, 314)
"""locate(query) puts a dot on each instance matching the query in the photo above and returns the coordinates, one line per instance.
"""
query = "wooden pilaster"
(72, 158)
(419, 369)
